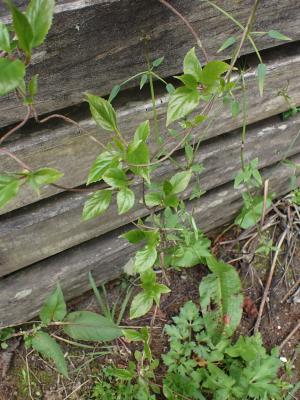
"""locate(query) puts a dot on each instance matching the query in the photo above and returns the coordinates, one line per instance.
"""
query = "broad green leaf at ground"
(49, 349)
(89, 326)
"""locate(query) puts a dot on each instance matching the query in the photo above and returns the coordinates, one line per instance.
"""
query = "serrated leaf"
(212, 72)
(8, 190)
(49, 349)
(134, 236)
(114, 93)
(140, 305)
(22, 28)
(11, 75)
(102, 163)
(180, 181)
(102, 112)
(54, 308)
(191, 64)
(227, 43)
(145, 258)
(4, 38)
(261, 74)
(89, 326)
(188, 80)
(153, 199)
(44, 176)
(139, 156)
(125, 200)
(158, 61)
(40, 14)
(143, 81)
(116, 178)
(181, 103)
(278, 35)
(97, 204)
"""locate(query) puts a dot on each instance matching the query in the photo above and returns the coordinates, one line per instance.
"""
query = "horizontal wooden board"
(95, 44)
(62, 146)
(54, 225)
(23, 292)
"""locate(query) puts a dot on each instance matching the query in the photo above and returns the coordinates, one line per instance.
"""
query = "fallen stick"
(268, 284)
(289, 336)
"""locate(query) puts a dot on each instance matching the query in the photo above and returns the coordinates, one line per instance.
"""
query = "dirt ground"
(280, 316)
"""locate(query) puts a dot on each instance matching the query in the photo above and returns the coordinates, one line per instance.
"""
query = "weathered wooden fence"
(93, 45)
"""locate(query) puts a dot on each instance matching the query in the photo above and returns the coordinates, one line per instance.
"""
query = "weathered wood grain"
(94, 45)
(62, 146)
(53, 225)
(23, 292)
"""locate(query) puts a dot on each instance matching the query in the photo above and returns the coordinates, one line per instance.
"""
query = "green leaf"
(139, 156)
(22, 28)
(116, 178)
(40, 14)
(102, 112)
(181, 103)
(235, 108)
(180, 181)
(213, 71)
(97, 204)
(278, 35)
(143, 81)
(11, 75)
(43, 176)
(4, 38)
(227, 43)
(261, 74)
(49, 349)
(157, 62)
(145, 258)
(191, 65)
(221, 300)
(33, 86)
(134, 236)
(89, 326)
(102, 163)
(125, 200)
(170, 88)
(151, 287)
(54, 308)
(188, 80)
(9, 188)
(153, 199)
(140, 305)
(114, 93)
(142, 132)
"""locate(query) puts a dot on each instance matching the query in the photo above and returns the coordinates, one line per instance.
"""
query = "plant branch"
(193, 32)
(17, 127)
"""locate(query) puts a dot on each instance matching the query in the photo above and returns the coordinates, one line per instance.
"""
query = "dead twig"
(268, 284)
(290, 291)
(289, 336)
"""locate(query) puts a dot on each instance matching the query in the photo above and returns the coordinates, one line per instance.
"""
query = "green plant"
(137, 381)
(202, 362)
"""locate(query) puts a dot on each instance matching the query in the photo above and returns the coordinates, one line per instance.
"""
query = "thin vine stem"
(192, 30)
(17, 127)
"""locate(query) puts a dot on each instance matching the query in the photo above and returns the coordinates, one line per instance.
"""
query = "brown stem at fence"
(269, 281)
(289, 336)
(17, 127)
(244, 37)
(192, 30)
(14, 157)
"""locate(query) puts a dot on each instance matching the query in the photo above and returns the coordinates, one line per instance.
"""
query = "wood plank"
(23, 293)
(93, 47)
(61, 146)
(54, 225)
